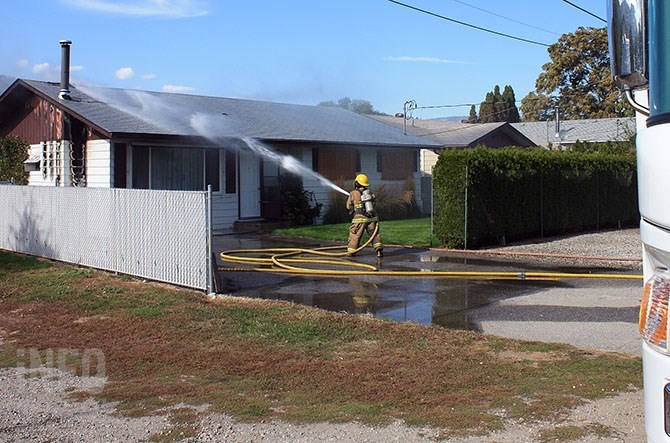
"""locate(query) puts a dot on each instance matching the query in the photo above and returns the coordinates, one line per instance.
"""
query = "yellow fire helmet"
(362, 180)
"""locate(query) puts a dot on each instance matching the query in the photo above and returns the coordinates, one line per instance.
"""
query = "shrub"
(391, 203)
(13, 152)
(517, 193)
(298, 207)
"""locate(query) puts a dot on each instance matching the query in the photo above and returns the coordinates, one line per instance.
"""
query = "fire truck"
(639, 43)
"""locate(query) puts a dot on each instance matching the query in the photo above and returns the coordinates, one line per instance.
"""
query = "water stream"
(289, 163)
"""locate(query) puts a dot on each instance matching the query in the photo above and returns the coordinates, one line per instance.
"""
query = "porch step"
(255, 225)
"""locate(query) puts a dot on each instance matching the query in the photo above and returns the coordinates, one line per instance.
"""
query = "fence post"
(465, 222)
(210, 262)
(541, 202)
(432, 204)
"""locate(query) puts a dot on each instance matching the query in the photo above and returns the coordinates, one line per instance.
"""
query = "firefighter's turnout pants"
(356, 230)
(362, 222)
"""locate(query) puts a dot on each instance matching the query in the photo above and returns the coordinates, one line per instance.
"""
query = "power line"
(503, 17)
(461, 105)
(584, 10)
(446, 106)
(468, 24)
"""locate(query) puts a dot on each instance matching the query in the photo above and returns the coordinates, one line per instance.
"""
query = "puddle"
(445, 302)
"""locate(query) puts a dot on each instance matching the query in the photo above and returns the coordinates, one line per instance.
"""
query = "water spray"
(158, 111)
(213, 129)
(289, 163)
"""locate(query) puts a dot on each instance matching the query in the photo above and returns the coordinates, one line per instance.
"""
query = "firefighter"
(361, 205)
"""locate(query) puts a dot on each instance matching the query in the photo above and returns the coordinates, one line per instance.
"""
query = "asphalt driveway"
(588, 313)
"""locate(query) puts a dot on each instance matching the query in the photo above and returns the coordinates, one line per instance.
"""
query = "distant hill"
(456, 118)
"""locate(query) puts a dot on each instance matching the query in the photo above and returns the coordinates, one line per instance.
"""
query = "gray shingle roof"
(591, 130)
(120, 111)
(448, 133)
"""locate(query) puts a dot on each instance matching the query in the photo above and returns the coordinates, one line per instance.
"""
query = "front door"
(250, 185)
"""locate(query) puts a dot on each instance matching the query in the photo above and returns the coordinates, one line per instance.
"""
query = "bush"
(298, 207)
(13, 152)
(337, 211)
(391, 203)
(396, 204)
(517, 193)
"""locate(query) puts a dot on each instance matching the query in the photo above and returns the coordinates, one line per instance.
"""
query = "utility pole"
(409, 106)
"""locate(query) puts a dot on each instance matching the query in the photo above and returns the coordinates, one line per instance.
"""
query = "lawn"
(412, 232)
(264, 360)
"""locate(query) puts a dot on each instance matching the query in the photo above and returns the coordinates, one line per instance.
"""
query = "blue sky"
(294, 51)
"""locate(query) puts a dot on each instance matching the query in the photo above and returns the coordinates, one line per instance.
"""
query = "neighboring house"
(456, 135)
(565, 133)
(117, 138)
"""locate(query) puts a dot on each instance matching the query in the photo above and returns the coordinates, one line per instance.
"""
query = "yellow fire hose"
(281, 260)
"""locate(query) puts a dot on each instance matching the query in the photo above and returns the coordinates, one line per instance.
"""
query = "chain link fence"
(157, 235)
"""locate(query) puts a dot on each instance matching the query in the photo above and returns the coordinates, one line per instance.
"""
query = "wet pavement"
(589, 313)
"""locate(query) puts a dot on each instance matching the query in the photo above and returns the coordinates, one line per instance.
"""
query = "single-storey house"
(565, 133)
(116, 138)
(457, 135)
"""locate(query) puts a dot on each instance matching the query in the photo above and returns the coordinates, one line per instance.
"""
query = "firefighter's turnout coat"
(362, 221)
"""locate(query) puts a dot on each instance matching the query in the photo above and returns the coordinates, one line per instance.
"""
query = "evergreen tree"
(473, 115)
(499, 107)
(511, 111)
(487, 109)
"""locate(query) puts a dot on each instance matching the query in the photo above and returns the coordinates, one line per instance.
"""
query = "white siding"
(98, 164)
(428, 161)
(224, 210)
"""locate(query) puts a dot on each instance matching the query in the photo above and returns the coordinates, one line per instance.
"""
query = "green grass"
(411, 232)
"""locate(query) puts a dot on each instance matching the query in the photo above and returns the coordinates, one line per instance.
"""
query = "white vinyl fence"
(157, 235)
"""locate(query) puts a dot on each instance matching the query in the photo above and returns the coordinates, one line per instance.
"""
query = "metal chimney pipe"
(557, 123)
(64, 93)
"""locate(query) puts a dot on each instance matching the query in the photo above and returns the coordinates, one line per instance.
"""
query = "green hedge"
(517, 193)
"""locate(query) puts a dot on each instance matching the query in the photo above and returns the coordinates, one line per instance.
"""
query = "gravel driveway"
(38, 409)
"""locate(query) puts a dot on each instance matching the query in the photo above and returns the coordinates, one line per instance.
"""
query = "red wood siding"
(41, 121)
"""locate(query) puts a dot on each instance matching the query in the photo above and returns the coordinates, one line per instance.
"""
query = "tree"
(473, 115)
(13, 152)
(499, 107)
(487, 109)
(537, 107)
(356, 105)
(510, 111)
(578, 79)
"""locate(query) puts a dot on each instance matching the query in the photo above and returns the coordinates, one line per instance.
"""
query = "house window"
(183, 169)
(397, 164)
(336, 163)
(177, 169)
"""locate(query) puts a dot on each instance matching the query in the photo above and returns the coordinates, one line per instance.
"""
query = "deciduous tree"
(577, 79)
(356, 105)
